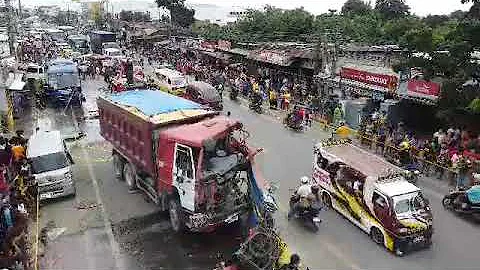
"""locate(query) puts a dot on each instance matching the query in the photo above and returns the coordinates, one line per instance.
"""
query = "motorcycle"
(411, 172)
(458, 201)
(308, 216)
(233, 93)
(256, 105)
(293, 123)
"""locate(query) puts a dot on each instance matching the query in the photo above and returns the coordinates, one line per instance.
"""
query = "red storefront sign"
(423, 89)
(387, 81)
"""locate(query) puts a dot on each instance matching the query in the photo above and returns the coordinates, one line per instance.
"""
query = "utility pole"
(10, 28)
(20, 9)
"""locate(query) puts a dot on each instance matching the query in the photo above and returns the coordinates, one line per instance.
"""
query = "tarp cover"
(474, 194)
(153, 102)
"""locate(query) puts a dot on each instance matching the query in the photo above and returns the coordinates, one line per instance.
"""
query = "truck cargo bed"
(129, 119)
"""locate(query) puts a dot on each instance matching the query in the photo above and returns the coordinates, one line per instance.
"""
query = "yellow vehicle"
(374, 195)
(169, 80)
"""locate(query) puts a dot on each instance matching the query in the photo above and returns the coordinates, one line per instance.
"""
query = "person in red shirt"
(4, 187)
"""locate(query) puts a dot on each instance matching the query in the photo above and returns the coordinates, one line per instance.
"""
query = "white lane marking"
(118, 260)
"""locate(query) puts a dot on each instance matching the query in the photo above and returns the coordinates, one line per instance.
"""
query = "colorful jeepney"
(373, 194)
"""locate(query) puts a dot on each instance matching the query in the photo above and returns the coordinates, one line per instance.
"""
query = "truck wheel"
(129, 176)
(377, 236)
(118, 167)
(176, 215)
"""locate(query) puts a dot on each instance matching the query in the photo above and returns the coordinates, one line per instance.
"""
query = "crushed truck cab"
(190, 161)
(373, 194)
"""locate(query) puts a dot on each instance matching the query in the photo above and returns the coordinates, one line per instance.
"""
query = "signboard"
(224, 45)
(272, 57)
(387, 81)
(424, 89)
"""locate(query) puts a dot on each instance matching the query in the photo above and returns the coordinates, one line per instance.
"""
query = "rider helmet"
(304, 180)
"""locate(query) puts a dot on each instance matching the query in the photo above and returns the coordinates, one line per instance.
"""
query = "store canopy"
(275, 57)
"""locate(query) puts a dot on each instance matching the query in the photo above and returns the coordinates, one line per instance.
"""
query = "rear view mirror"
(70, 158)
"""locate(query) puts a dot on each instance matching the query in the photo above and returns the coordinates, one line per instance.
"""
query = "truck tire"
(176, 214)
(129, 176)
(377, 236)
(118, 166)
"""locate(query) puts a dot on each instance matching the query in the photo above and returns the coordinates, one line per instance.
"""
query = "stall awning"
(272, 56)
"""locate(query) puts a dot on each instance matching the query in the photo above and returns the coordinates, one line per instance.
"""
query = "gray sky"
(419, 7)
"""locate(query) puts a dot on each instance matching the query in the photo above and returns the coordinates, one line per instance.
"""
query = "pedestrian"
(286, 100)
(461, 164)
(273, 99)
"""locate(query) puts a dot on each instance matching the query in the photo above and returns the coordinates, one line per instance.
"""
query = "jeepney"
(373, 195)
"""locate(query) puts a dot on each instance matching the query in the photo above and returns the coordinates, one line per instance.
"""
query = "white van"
(51, 164)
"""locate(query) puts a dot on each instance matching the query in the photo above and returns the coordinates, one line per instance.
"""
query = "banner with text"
(388, 81)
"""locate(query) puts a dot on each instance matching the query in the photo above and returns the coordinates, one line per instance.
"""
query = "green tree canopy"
(179, 13)
(353, 7)
(391, 9)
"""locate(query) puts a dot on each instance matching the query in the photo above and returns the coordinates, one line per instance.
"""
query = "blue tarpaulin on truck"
(151, 102)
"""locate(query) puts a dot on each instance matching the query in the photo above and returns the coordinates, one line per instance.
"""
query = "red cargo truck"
(188, 160)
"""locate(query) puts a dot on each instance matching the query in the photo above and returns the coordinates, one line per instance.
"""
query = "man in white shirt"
(302, 192)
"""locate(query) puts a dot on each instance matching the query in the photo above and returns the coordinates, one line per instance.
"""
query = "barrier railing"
(391, 147)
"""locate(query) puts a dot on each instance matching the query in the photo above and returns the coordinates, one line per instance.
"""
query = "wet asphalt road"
(106, 227)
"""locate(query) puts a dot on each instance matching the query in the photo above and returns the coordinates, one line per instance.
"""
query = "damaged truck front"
(186, 159)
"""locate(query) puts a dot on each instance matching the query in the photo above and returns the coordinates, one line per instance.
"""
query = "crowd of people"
(18, 202)
(454, 154)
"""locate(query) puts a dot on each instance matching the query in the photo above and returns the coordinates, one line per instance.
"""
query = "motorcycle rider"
(294, 263)
(304, 197)
(404, 152)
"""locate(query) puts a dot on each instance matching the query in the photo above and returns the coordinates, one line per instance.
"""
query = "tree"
(474, 11)
(182, 16)
(179, 13)
(457, 14)
(419, 40)
(436, 20)
(354, 7)
(391, 9)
